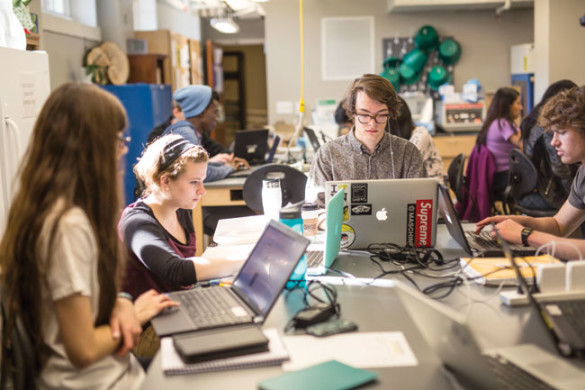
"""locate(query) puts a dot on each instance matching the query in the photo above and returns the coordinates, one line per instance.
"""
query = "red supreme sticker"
(419, 223)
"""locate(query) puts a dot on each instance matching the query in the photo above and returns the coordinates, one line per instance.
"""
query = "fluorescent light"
(224, 25)
(238, 5)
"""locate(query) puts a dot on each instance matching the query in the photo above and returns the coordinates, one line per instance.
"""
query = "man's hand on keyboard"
(510, 230)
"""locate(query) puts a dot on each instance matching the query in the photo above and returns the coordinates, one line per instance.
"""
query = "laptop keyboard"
(314, 258)
(512, 377)
(213, 306)
(482, 240)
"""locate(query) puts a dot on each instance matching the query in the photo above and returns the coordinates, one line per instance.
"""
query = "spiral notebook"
(172, 364)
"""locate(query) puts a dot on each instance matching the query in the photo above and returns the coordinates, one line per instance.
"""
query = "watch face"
(525, 233)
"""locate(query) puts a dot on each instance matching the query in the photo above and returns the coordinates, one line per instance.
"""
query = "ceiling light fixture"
(224, 25)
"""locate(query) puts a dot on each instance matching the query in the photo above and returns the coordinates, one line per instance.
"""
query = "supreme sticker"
(419, 223)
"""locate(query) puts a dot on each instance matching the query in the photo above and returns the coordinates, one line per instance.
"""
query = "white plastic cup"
(271, 198)
(310, 213)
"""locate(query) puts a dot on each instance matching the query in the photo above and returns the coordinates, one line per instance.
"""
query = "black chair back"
(292, 185)
(456, 176)
(522, 176)
(522, 179)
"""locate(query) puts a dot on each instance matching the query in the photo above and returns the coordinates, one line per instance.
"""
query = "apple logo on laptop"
(382, 215)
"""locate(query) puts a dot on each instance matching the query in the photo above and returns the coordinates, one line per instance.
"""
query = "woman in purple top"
(500, 134)
(158, 228)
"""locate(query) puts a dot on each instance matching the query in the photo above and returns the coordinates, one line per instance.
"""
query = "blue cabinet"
(147, 106)
(526, 83)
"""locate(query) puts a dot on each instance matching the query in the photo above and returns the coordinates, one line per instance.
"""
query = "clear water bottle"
(291, 216)
(271, 198)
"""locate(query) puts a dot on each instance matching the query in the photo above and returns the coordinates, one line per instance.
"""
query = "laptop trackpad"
(171, 323)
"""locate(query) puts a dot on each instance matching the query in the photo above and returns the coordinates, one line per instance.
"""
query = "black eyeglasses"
(365, 118)
(124, 140)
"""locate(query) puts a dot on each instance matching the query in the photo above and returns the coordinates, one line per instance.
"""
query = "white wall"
(180, 22)
(485, 42)
(559, 38)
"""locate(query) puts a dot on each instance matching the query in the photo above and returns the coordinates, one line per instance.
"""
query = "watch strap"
(525, 233)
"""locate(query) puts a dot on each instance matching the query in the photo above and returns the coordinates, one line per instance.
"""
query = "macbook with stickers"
(398, 211)
(250, 297)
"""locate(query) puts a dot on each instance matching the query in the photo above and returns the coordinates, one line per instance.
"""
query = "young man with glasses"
(368, 151)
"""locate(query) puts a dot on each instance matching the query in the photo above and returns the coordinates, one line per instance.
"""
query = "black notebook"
(220, 343)
(172, 364)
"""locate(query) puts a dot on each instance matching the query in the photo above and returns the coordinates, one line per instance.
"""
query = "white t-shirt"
(432, 161)
(73, 269)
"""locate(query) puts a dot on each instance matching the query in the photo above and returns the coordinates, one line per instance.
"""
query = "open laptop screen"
(251, 145)
(269, 267)
(452, 220)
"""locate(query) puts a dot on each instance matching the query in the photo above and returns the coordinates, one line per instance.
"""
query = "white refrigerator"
(24, 87)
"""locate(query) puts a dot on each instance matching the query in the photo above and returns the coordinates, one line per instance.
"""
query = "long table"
(377, 308)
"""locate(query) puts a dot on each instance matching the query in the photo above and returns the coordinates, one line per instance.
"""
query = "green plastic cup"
(392, 75)
(407, 74)
(416, 59)
(437, 77)
(449, 51)
(426, 39)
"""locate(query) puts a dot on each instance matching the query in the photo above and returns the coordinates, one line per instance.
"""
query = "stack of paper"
(497, 270)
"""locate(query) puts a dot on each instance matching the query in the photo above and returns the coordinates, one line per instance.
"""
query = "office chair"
(18, 366)
(457, 180)
(522, 179)
(292, 185)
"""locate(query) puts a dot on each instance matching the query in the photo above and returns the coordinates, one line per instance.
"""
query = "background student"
(60, 257)
(554, 177)
(564, 115)
(367, 151)
(500, 134)
(158, 228)
(199, 105)
(403, 127)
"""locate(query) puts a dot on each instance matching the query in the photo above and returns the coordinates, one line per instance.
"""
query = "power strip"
(513, 298)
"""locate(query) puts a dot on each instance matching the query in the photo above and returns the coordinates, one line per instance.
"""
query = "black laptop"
(251, 145)
(473, 244)
(313, 138)
(250, 297)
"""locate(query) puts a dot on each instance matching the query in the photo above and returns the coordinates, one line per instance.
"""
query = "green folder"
(331, 375)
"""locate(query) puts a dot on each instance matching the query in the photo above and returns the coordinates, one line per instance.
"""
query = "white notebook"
(172, 364)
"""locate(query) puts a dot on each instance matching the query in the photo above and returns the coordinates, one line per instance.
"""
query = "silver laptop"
(319, 261)
(398, 211)
(250, 297)
(523, 366)
(473, 244)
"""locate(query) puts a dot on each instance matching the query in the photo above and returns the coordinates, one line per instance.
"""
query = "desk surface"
(379, 309)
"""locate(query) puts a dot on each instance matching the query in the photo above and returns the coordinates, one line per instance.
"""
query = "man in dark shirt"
(199, 105)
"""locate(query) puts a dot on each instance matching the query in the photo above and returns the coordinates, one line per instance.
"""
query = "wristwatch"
(525, 233)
